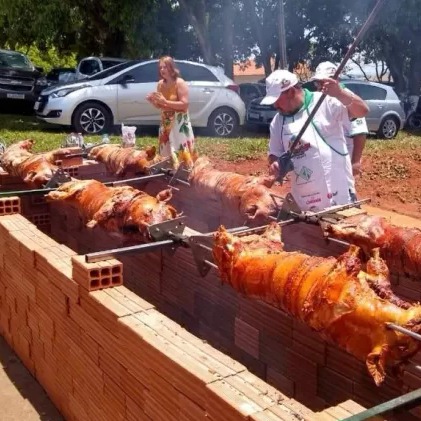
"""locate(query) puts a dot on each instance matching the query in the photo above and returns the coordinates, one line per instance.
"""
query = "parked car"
(89, 66)
(118, 95)
(250, 91)
(385, 117)
(20, 80)
(59, 75)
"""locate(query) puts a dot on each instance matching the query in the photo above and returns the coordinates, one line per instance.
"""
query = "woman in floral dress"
(176, 139)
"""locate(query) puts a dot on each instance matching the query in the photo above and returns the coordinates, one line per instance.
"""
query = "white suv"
(118, 95)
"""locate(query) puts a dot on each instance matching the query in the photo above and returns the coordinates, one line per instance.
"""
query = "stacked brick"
(109, 354)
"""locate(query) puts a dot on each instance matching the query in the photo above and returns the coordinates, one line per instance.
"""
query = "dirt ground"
(21, 396)
(390, 180)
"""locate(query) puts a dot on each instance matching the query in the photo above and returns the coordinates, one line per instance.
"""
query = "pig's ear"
(164, 195)
(151, 152)
(30, 176)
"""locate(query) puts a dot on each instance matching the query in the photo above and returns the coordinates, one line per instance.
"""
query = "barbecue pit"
(263, 352)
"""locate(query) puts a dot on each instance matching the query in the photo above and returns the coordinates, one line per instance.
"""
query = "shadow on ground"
(21, 397)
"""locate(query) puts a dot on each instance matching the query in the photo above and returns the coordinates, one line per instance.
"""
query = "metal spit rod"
(107, 183)
(110, 254)
(401, 329)
(411, 399)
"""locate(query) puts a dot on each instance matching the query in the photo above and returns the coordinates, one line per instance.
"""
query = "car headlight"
(65, 91)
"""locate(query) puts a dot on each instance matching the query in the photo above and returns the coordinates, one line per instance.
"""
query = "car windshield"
(16, 60)
(112, 70)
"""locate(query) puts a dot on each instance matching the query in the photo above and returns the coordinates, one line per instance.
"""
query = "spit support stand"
(290, 209)
(201, 247)
(160, 167)
(168, 230)
(167, 235)
(59, 177)
(181, 175)
(86, 149)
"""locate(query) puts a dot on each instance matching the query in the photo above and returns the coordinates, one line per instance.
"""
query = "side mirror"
(127, 79)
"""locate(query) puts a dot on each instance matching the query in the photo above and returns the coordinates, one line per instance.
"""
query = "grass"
(248, 146)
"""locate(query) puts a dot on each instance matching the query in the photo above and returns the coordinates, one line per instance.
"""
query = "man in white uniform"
(322, 170)
(357, 134)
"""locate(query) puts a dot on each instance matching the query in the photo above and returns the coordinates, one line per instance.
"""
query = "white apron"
(321, 176)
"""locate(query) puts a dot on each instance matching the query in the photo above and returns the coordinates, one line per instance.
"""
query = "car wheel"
(414, 121)
(223, 122)
(92, 118)
(389, 128)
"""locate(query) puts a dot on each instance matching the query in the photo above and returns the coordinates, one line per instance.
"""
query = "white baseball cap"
(325, 70)
(277, 82)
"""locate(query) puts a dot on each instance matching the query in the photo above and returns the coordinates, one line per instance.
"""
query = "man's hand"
(330, 87)
(274, 169)
(356, 169)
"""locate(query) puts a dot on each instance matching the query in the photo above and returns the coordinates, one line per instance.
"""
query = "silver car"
(118, 95)
(385, 118)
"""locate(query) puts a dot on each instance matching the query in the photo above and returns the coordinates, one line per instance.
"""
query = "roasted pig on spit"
(400, 247)
(119, 160)
(34, 169)
(331, 295)
(124, 210)
(246, 195)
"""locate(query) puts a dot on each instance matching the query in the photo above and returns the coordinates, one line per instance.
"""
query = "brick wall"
(111, 355)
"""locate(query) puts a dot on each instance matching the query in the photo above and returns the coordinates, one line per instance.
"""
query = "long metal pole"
(351, 50)
(282, 37)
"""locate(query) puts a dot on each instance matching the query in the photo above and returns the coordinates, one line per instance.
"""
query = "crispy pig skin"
(330, 295)
(119, 160)
(34, 169)
(246, 195)
(400, 247)
(123, 210)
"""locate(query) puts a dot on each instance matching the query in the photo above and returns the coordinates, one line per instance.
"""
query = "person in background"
(176, 139)
(357, 134)
(321, 166)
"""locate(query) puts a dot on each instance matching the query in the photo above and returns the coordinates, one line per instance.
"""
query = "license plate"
(36, 106)
(16, 96)
(254, 116)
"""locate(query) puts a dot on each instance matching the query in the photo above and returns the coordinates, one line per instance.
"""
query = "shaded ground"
(21, 396)
(391, 179)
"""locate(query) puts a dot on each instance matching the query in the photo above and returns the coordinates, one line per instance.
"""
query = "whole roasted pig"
(125, 210)
(34, 169)
(246, 195)
(400, 247)
(119, 160)
(333, 296)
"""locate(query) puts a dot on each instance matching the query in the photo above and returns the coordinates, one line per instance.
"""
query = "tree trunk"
(200, 28)
(414, 76)
(228, 18)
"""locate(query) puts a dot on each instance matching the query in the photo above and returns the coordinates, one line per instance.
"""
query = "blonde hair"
(170, 65)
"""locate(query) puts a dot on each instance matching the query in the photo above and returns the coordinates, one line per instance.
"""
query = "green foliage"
(49, 58)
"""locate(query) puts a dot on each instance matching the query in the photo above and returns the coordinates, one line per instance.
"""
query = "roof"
(248, 68)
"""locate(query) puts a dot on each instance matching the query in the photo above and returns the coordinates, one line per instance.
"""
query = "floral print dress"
(176, 139)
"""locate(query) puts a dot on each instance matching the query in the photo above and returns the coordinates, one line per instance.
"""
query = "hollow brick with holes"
(94, 276)
(10, 205)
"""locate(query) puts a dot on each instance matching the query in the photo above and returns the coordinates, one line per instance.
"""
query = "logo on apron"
(305, 174)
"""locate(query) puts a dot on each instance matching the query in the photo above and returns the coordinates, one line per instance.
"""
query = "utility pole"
(282, 37)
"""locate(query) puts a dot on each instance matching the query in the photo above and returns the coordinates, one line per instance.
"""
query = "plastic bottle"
(80, 140)
(105, 138)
